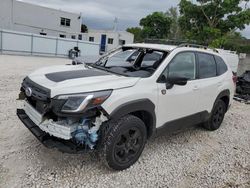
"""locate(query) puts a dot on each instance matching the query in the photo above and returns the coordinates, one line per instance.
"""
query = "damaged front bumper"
(47, 140)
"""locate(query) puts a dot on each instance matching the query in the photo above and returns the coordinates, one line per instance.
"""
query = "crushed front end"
(70, 123)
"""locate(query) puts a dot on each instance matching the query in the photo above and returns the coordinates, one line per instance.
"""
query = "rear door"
(209, 82)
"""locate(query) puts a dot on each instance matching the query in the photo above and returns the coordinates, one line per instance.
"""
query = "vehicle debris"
(84, 131)
(242, 98)
(243, 84)
(87, 135)
(243, 88)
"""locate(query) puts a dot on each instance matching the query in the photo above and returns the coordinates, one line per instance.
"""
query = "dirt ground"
(194, 158)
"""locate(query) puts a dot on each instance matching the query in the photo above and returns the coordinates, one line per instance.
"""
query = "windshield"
(134, 62)
(122, 58)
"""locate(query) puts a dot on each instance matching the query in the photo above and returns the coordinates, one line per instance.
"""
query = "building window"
(73, 37)
(79, 37)
(91, 39)
(62, 36)
(110, 41)
(65, 22)
(122, 42)
(43, 33)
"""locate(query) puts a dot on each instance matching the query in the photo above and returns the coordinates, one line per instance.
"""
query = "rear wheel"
(217, 116)
(124, 142)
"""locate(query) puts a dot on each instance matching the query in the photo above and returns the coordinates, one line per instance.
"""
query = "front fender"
(140, 105)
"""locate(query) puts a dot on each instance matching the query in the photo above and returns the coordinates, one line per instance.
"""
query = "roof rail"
(198, 46)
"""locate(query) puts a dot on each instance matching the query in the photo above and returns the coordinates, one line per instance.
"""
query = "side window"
(182, 65)
(221, 66)
(207, 65)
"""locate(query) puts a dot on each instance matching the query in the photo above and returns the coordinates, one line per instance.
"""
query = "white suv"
(126, 97)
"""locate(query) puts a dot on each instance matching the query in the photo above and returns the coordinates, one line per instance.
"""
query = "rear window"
(207, 65)
(221, 65)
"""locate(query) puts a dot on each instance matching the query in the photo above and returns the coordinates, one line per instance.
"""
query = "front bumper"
(48, 141)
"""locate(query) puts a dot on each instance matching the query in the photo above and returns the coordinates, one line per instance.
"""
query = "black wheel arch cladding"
(141, 108)
(225, 97)
(145, 110)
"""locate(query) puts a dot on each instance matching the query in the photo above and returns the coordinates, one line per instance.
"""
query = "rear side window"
(221, 65)
(207, 65)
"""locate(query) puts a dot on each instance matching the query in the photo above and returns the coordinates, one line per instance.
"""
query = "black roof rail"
(197, 46)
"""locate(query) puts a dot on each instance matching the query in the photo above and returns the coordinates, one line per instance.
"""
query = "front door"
(180, 102)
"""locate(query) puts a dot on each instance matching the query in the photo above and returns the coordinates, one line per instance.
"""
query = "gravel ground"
(194, 158)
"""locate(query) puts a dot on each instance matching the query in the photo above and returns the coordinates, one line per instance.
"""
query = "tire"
(123, 142)
(217, 116)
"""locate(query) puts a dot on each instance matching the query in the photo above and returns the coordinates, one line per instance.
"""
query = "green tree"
(156, 25)
(209, 21)
(137, 31)
(175, 32)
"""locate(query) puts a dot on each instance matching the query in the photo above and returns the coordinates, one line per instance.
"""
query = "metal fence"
(13, 42)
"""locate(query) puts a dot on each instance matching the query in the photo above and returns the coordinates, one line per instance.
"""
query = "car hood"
(68, 79)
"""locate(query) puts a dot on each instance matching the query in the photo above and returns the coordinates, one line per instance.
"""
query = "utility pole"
(115, 24)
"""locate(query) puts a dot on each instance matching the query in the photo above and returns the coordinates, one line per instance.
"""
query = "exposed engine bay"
(82, 131)
(75, 118)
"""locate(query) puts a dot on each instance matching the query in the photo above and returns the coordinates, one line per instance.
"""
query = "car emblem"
(28, 91)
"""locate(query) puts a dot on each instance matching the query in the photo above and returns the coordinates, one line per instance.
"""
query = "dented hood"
(68, 79)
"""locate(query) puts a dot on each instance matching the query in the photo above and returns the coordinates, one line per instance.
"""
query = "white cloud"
(246, 32)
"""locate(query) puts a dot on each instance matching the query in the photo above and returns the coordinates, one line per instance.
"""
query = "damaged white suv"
(115, 104)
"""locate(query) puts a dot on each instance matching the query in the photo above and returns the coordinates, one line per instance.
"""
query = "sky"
(100, 14)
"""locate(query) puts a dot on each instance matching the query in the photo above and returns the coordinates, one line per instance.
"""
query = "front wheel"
(217, 116)
(124, 142)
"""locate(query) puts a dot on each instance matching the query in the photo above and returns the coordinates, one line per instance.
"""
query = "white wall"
(116, 35)
(25, 17)
(6, 14)
(128, 37)
(31, 44)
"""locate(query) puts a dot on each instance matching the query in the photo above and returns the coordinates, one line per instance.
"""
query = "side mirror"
(181, 81)
(171, 81)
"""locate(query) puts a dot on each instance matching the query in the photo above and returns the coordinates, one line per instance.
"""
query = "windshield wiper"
(107, 70)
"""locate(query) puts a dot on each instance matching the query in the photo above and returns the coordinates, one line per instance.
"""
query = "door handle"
(195, 88)
(219, 84)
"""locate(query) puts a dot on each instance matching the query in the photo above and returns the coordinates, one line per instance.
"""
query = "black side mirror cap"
(181, 81)
(171, 81)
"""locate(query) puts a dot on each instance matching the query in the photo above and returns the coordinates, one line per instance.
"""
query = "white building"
(26, 17)
(109, 39)
(30, 18)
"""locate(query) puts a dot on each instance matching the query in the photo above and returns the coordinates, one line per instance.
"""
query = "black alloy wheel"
(128, 145)
(217, 116)
(123, 142)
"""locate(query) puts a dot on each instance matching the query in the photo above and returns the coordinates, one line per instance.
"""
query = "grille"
(38, 92)
(40, 97)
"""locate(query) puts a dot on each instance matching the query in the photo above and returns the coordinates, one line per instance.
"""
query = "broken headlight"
(79, 102)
